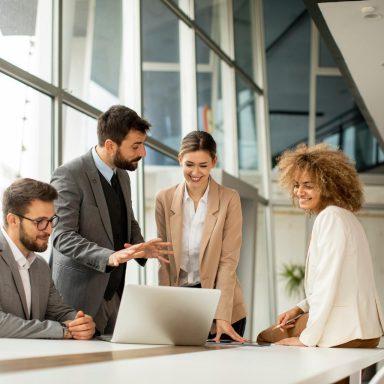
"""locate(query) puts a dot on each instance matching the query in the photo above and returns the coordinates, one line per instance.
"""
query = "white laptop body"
(165, 315)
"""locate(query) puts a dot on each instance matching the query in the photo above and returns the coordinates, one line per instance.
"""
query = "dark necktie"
(115, 183)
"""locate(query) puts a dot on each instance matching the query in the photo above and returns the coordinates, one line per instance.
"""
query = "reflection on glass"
(79, 133)
(156, 177)
(244, 36)
(161, 74)
(26, 133)
(92, 50)
(26, 35)
(210, 16)
(246, 121)
(210, 98)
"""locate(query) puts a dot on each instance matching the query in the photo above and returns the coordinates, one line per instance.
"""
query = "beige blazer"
(220, 244)
(341, 296)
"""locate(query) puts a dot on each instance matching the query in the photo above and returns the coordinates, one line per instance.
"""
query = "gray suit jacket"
(47, 307)
(83, 239)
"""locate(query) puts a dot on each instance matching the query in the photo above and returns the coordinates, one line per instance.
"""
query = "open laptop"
(164, 315)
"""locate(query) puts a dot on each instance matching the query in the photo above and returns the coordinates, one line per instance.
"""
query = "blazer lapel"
(211, 218)
(97, 189)
(35, 301)
(176, 223)
(10, 260)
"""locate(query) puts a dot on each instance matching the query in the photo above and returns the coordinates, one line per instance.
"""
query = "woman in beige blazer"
(203, 220)
(341, 307)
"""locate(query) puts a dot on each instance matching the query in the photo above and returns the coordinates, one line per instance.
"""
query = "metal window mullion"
(188, 91)
(130, 94)
(264, 144)
(57, 128)
(229, 91)
(313, 84)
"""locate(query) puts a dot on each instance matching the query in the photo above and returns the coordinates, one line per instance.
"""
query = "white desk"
(69, 361)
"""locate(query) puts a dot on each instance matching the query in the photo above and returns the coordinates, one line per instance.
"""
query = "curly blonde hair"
(331, 171)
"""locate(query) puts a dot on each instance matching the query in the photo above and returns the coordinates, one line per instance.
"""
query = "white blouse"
(193, 224)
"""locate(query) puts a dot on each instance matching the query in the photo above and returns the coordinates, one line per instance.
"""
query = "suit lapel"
(35, 301)
(97, 189)
(211, 218)
(10, 260)
(176, 223)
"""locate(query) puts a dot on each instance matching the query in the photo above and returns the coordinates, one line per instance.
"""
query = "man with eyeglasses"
(30, 306)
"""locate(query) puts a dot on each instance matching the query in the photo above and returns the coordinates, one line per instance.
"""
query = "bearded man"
(30, 306)
(97, 233)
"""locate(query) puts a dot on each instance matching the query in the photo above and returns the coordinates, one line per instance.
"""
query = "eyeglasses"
(42, 224)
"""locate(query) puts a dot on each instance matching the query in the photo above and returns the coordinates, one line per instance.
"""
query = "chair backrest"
(378, 378)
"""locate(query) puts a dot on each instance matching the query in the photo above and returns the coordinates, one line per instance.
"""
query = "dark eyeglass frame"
(42, 224)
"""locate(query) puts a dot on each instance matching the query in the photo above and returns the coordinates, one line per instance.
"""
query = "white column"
(187, 52)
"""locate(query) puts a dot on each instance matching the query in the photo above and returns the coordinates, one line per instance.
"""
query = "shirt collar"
(103, 168)
(21, 260)
(203, 199)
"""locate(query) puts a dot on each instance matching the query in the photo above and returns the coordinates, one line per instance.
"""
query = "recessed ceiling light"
(370, 13)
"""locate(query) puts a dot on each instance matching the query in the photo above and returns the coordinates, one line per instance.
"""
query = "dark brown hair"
(332, 172)
(20, 194)
(198, 141)
(117, 122)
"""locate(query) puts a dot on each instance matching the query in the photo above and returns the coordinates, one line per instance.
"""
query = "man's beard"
(31, 244)
(120, 162)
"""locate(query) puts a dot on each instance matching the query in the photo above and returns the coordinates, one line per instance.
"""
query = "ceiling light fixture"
(371, 13)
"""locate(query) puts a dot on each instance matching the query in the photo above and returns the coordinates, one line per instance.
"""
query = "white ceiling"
(361, 42)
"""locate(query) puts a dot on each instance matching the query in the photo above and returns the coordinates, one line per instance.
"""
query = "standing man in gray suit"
(30, 306)
(97, 233)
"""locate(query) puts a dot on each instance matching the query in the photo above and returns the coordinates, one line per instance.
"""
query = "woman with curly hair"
(341, 307)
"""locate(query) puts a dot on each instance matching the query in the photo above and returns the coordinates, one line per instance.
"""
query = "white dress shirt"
(23, 264)
(193, 224)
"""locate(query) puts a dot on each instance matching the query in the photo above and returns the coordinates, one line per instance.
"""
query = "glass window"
(244, 36)
(333, 102)
(79, 133)
(288, 64)
(92, 50)
(247, 135)
(26, 35)
(325, 57)
(160, 28)
(209, 96)
(157, 176)
(210, 16)
(26, 133)
(161, 73)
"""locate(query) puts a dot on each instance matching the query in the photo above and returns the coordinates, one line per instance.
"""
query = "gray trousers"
(105, 318)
